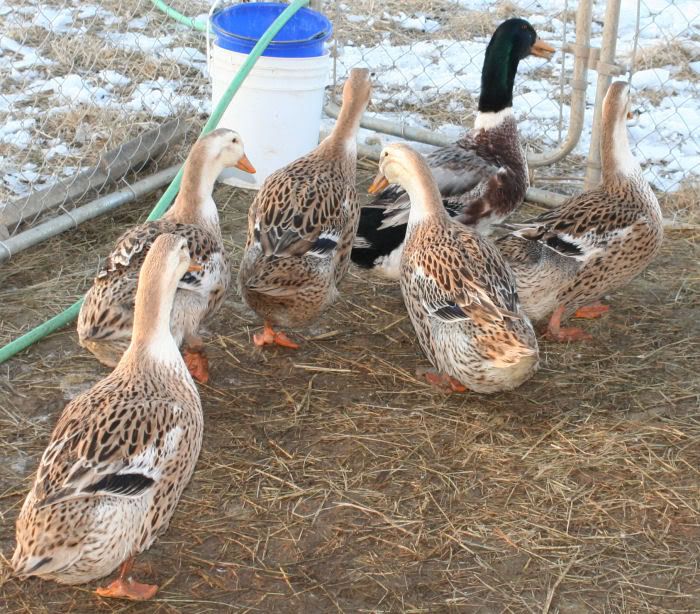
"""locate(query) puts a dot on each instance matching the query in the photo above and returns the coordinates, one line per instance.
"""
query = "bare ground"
(332, 480)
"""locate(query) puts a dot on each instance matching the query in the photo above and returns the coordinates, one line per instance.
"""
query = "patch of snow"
(416, 21)
(52, 19)
(73, 88)
(113, 78)
(30, 57)
(57, 150)
(161, 98)
(189, 56)
(137, 41)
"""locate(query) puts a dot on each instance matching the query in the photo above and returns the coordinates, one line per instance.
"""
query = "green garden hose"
(70, 314)
(183, 19)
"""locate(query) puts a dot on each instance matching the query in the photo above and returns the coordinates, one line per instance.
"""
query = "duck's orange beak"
(245, 165)
(194, 267)
(380, 183)
(542, 49)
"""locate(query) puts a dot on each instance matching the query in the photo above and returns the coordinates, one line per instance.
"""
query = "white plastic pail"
(277, 110)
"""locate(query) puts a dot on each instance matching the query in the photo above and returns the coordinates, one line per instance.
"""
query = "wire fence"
(428, 62)
(79, 82)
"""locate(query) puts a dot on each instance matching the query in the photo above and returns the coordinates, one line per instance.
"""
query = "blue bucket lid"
(240, 26)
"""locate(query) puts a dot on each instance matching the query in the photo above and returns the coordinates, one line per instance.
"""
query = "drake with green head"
(482, 178)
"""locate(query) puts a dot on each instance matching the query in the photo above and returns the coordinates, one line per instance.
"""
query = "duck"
(566, 259)
(106, 316)
(459, 293)
(121, 453)
(301, 226)
(482, 178)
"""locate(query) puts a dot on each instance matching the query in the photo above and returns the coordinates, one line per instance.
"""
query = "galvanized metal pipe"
(384, 126)
(605, 68)
(101, 205)
(579, 82)
(534, 195)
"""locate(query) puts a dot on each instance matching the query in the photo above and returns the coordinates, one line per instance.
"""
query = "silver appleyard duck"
(482, 178)
(565, 260)
(301, 226)
(121, 453)
(459, 293)
(106, 317)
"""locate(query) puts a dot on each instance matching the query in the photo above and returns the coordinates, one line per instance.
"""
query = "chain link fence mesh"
(428, 55)
(81, 79)
(663, 51)
(78, 79)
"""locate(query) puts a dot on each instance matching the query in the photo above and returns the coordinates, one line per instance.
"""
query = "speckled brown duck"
(459, 293)
(565, 260)
(301, 226)
(121, 453)
(106, 317)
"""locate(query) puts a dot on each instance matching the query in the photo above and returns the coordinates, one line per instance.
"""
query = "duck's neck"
(616, 157)
(194, 203)
(426, 202)
(498, 76)
(488, 120)
(151, 334)
(343, 138)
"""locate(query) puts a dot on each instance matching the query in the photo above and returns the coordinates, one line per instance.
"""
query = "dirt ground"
(331, 479)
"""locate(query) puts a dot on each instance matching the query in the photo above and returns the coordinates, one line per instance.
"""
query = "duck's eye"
(234, 139)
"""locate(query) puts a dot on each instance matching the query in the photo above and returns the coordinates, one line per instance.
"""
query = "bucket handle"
(214, 6)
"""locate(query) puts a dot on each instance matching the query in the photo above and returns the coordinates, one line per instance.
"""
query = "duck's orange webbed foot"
(197, 364)
(124, 587)
(270, 337)
(440, 380)
(556, 333)
(563, 335)
(591, 312)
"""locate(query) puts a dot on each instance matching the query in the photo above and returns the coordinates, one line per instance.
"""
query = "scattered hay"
(332, 480)
(677, 54)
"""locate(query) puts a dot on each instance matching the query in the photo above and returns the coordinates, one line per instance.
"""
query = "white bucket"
(277, 110)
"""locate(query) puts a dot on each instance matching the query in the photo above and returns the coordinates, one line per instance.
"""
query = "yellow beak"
(380, 183)
(194, 267)
(542, 49)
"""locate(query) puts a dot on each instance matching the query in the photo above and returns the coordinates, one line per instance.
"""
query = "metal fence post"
(605, 68)
(579, 83)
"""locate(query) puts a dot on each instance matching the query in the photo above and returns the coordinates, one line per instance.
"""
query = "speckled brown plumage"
(459, 293)
(302, 223)
(106, 317)
(596, 241)
(122, 452)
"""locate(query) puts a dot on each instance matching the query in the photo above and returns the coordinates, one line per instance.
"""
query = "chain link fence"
(428, 61)
(88, 95)
(662, 49)
(89, 92)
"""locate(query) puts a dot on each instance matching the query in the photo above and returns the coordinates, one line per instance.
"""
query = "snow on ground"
(427, 75)
(40, 82)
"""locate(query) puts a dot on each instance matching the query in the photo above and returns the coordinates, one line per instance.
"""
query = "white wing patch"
(390, 266)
